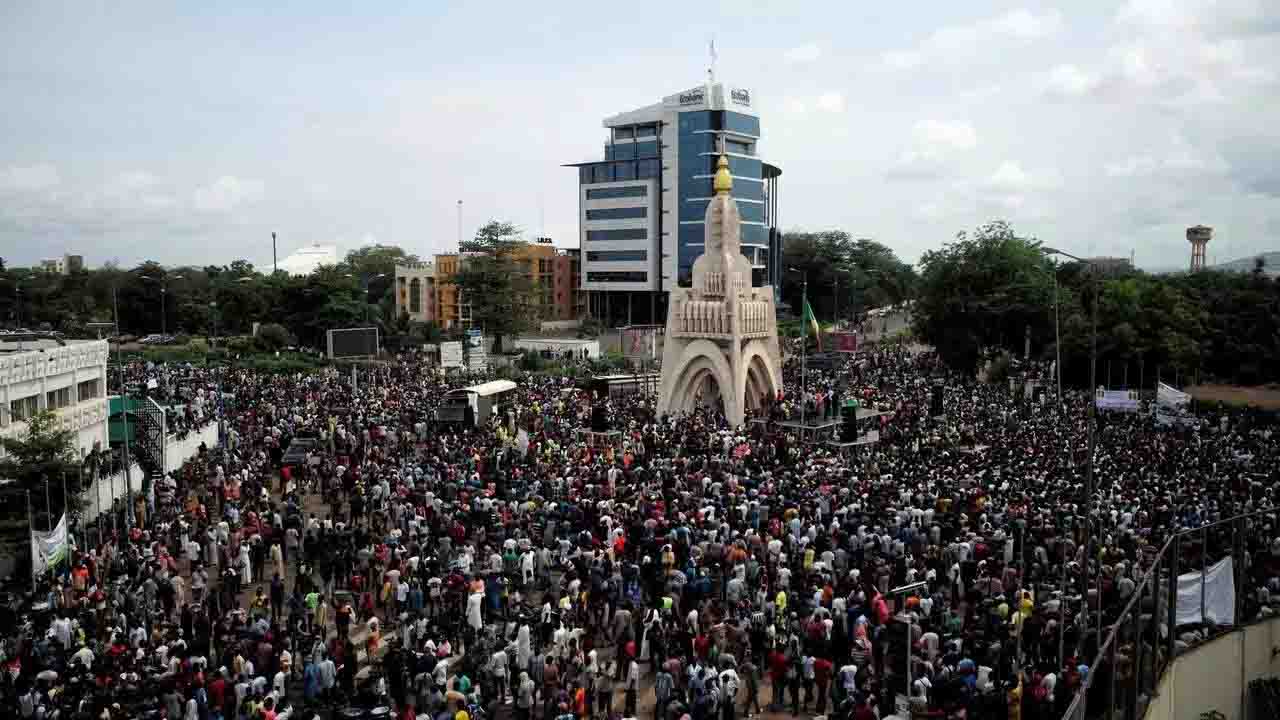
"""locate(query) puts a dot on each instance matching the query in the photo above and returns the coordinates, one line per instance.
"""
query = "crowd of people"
(339, 553)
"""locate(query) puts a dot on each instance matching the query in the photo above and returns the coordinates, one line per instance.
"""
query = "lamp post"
(366, 280)
(1090, 480)
(804, 345)
(164, 289)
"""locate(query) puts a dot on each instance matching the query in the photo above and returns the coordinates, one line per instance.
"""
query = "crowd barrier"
(1182, 644)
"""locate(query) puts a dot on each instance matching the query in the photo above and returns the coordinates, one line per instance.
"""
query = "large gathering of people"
(341, 554)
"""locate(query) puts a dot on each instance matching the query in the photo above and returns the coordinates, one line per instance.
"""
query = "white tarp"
(49, 549)
(451, 354)
(1219, 595)
(1122, 400)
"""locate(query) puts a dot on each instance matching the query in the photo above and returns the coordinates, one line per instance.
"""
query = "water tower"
(1199, 237)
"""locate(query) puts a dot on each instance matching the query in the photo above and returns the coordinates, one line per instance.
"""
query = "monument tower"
(1199, 237)
(721, 342)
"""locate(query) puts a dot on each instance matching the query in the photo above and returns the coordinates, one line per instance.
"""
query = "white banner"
(1172, 406)
(1219, 595)
(1123, 400)
(451, 354)
(49, 549)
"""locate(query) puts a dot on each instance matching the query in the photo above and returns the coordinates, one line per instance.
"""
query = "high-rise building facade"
(642, 207)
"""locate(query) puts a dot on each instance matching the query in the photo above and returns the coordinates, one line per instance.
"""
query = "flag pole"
(804, 352)
(31, 522)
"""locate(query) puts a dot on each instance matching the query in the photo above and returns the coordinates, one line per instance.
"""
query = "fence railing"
(1143, 639)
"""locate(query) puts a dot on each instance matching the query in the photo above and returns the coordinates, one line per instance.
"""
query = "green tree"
(41, 456)
(984, 290)
(845, 275)
(493, 282)
(274, 336)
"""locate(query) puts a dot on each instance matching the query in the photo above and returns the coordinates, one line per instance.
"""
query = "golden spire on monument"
(723, 181)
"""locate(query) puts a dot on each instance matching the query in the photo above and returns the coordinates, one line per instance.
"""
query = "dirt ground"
(1267, 397)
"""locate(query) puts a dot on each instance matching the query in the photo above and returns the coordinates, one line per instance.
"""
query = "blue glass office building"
(642, 207)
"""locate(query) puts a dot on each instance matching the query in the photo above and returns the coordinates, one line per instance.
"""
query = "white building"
(69, 378)
(307, 260)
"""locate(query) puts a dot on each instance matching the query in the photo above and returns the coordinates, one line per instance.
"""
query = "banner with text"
(49, 549)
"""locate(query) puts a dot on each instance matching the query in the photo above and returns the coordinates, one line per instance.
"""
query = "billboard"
(353, 343)
(451, 354)
(640, 342)
(845, 342)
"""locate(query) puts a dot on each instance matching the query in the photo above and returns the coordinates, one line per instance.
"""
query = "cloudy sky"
(135, 131)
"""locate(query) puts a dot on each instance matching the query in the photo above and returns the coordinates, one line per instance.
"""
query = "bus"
(476, 404)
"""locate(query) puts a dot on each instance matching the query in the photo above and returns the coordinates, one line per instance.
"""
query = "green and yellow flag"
(810, 324)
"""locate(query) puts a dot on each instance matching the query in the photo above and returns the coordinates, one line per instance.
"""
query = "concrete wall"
(1216, 675)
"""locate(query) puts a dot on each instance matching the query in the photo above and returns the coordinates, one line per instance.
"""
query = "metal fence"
(1143, 639)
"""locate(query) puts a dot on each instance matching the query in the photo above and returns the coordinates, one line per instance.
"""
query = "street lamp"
(164, 288)
(366, 280)
(1093, 409)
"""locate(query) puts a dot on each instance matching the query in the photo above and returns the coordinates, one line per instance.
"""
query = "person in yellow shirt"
(781, 602)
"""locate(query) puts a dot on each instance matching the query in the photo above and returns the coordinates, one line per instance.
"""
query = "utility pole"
(124, 413)
(459, 228)
(275, 265)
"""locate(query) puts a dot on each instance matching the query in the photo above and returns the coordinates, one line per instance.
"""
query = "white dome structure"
(307, 260)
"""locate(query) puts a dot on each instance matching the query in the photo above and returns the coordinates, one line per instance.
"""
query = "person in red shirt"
(777, 676)
(822, 678)
(217, 691)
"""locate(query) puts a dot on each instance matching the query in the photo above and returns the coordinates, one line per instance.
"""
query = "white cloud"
(1070, 80)
(795, 106)
(32, 178)
(949, 45)
(806, 53)
(1174, 156)
(1177, 54)
(938, 134)
(830, 102)
(932, 143)
(227, 193)
(1009, 176)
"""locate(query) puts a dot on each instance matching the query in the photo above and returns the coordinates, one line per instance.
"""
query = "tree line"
(993, 289)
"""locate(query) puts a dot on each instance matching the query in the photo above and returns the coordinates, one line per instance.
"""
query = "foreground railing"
(1132, 658)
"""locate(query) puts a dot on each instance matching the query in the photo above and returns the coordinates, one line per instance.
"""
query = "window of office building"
(415, 296)
(617, 256)
(618, 192)
(625, 151)
(647, 149)
(630, 213)
(624, 234)
(57, 399)
(646, 131)
(87, 390)
(624, 133)
(737, 146)
(617, 277)
(23, 408)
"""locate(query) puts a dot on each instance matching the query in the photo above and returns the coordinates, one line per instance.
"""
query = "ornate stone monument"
(722, 334)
